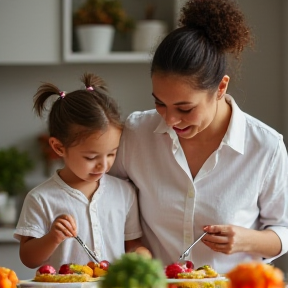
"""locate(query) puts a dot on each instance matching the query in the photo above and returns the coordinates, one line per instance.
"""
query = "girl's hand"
(144, 252)
(227, 239)
(63, 227)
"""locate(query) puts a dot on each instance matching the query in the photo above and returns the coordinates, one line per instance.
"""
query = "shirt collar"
(163, 128)
(235, 134)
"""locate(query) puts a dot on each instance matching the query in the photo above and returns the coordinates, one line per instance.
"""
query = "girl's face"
(92, 157)
(186, 110)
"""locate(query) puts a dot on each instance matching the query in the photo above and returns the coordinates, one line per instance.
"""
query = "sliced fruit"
(98, 272)
(173, 270)
(75, 269)
(65, 269)
(46, 269)
(189, 264)
(104, 264)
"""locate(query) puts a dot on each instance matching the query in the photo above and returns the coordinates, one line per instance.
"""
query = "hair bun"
(221, 22)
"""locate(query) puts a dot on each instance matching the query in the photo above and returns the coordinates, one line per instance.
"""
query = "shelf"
(69, 56)
(113, 57)
(77, 57)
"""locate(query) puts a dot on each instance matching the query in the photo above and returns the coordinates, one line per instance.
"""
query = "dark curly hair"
(80, 113)
(208, 31)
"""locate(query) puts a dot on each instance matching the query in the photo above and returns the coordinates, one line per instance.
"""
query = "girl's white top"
(104, 224)
(244, 182)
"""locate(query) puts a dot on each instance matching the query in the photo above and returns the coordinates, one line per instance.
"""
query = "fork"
(186, 253)
(89, 252)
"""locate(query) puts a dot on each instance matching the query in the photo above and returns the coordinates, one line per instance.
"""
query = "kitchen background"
(33, 49)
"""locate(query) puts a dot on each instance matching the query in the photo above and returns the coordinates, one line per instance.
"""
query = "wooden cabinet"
(30, 32)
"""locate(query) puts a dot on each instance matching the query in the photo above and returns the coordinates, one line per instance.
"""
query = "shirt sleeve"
(118, 168)
(132, 225)
(31, 222)
(273, 200)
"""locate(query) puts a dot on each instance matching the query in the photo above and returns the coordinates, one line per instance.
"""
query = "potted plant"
(96, 21)
(148, 32)
(14, 164)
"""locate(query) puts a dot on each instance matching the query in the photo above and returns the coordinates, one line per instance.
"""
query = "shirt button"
(190, 193)
(188, 240)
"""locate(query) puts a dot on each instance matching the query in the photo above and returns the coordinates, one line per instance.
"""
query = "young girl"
(80, 199)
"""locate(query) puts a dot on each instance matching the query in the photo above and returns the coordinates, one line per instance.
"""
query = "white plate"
(197, 280)
(33, 284)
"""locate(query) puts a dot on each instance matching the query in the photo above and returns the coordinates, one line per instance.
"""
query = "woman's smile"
(179, 130)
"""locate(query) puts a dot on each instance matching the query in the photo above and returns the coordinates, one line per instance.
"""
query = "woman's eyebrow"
(178, 103)
(156, 98)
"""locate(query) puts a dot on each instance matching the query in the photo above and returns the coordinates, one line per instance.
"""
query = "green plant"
(103, 12)
(135, 271)
(14, 164)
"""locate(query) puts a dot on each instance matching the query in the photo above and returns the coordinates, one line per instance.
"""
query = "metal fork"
(90, 253)
(186, 253)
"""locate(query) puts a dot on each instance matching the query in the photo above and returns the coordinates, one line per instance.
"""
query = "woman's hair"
(78, 114)
(208, 31)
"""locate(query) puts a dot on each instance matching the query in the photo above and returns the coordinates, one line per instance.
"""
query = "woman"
(199, 162)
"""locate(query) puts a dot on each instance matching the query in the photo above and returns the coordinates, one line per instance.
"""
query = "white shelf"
(77, 57)
(113, 57)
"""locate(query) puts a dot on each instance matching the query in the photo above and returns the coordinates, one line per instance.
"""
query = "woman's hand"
(63, 227)
(227, 239)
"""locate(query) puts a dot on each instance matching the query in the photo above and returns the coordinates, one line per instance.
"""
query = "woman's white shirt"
(244, 182)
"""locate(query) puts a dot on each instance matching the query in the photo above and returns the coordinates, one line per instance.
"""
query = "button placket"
(189, 215)
(96, 233)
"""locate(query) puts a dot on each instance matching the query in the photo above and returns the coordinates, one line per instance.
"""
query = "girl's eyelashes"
(90, 158)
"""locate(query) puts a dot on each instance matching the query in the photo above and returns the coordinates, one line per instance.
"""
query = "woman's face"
(186, 110)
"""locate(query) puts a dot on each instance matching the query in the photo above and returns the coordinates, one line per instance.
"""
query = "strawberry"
(65, 269)
(46, 269)
(189, 264)
(104, 264)
(173, 270)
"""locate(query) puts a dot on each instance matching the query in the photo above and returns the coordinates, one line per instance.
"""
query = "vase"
(8, 212)
(95, 39)
(148, 34)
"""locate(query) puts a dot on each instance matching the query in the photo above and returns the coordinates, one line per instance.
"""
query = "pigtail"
(45, 91)
(93, 81)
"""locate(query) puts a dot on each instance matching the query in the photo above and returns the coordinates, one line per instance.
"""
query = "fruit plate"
(218, 282)
(33, 284)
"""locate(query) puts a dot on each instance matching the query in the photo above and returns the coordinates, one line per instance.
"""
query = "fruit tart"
(68, 273)
(185, 276)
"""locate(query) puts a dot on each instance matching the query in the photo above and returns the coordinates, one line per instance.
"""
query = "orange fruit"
(255, 275)
(92, 264)
(98, 272)
(6, 283)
